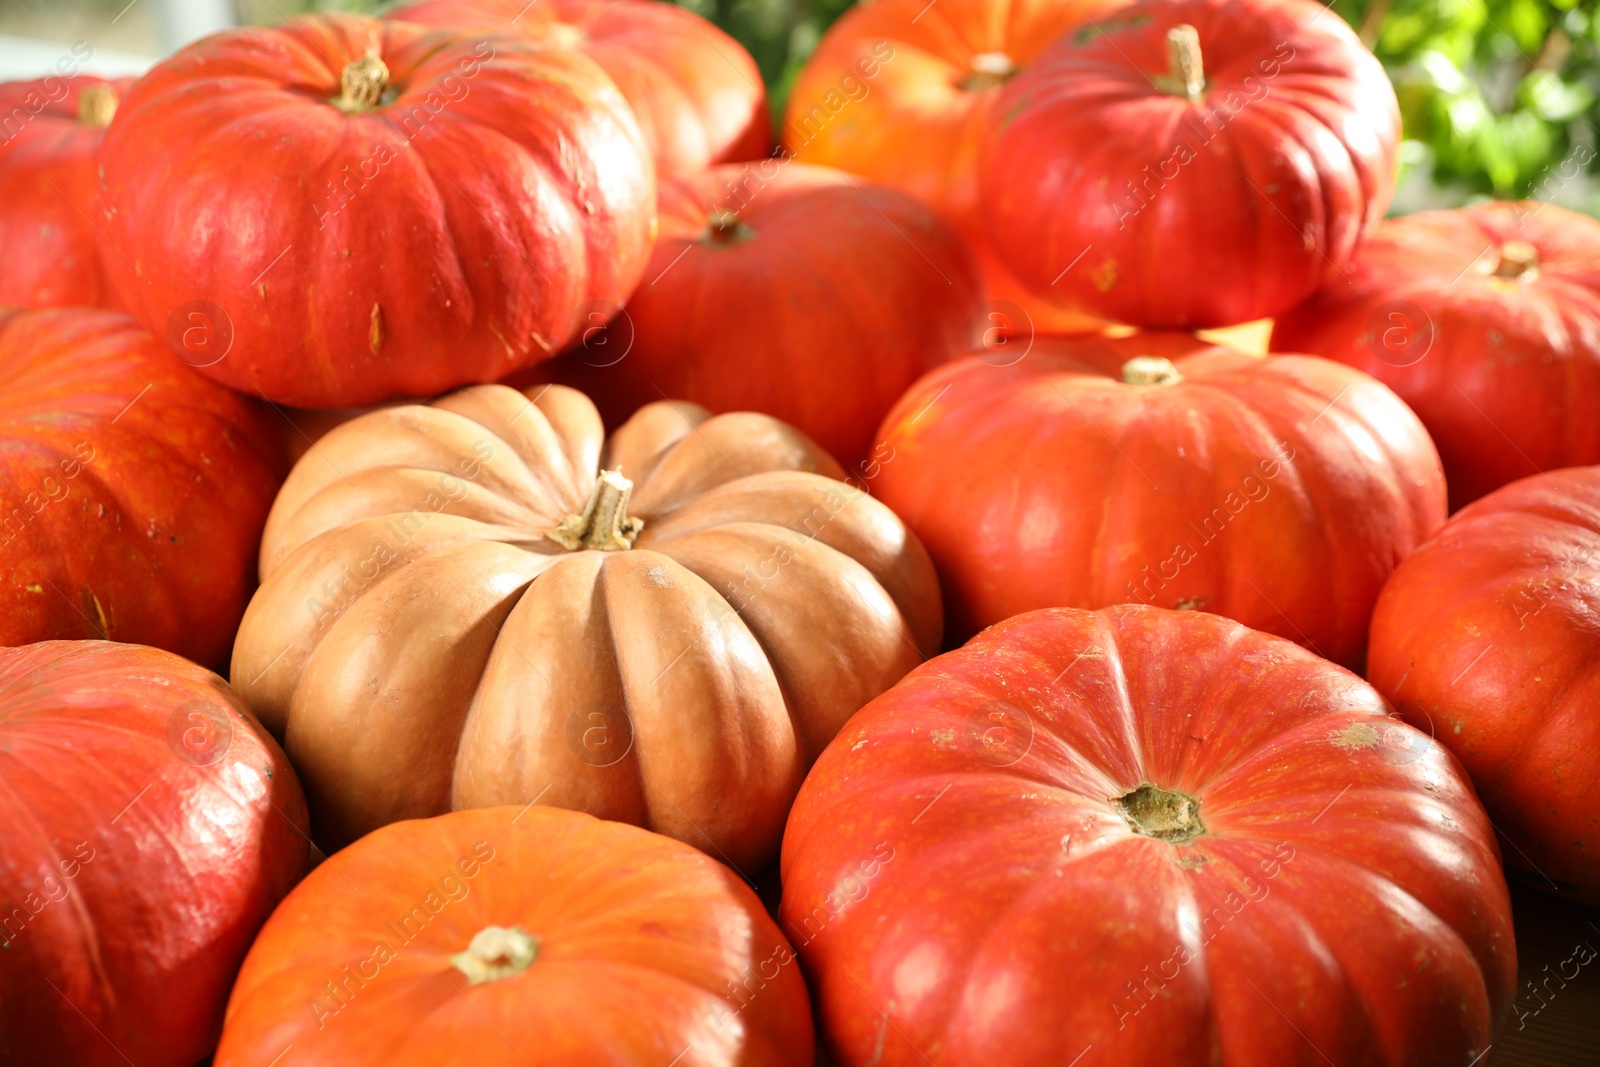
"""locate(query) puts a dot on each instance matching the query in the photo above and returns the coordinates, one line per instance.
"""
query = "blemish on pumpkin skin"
(375, 333)
(1105, 275)
(1356, 735)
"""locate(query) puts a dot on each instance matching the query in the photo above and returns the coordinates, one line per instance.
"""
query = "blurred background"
(1500, 97)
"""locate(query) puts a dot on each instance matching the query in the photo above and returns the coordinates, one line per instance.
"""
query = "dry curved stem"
(1186, 73)
(604, 525)
(361, 84)
(1150, 370)
(989, 70)
(1518, 259)
(496, 952)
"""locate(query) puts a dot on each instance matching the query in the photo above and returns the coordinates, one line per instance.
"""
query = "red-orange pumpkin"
(792, 290)
(1144, 838)
(517, 936)
(134, 489)
(1487, 638)
(1191, 162)
(696, 92)
(340, 210)
(1486, 321)
(50, 133)
(1280, 492)
(148, 826)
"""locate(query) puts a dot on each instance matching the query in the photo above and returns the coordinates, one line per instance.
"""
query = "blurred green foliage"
(1495, 94)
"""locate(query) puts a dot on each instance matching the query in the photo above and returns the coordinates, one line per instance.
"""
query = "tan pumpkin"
(483, 601)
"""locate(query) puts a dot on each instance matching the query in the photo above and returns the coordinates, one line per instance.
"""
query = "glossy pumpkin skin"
(1279, 492)
(50, 133)
(902, 93)
(962, 857)
(1110, 192)
(1486, 638)
(817, 299)
(449, 234)
(643, 948)
(415, 612)
(696, 92)
(135, 489)
(1486, 321)
(149, 827)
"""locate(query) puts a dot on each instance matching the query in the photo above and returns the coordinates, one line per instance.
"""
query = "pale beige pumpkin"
(424, 638)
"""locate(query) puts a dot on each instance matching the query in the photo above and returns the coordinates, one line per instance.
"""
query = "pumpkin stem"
(361, 84)
(1186, 73)
(724, 228)
(604, 525)
(1164, 814)
(496, 952)
(96, 105)
(1150, 370)
(1518, 259)
(989, 70)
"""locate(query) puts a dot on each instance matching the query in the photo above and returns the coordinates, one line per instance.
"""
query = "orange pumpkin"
(519, 937)
(483, 601)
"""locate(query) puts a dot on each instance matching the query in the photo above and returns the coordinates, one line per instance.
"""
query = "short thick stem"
(1186, 73)
(496, 952)
(724, 228)
(1150, 370)
(1518, 259)
(361, 84)
(97, 105)
(988, 70)
(604, 525)
(1164, 814)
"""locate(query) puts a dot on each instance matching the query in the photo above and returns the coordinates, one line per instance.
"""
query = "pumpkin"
(790, 290)
(1156, 469)
(363, 209)
(1486, 639)
(696, 92)
(1191, 163)
(520, 935)
(483, 601)
(49, 136)
(1486, 321)
(1154, 834)
(148, 826)
(135, 488)
(901, 93)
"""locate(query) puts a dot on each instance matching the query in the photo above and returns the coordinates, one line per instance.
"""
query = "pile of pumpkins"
(592, 505)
